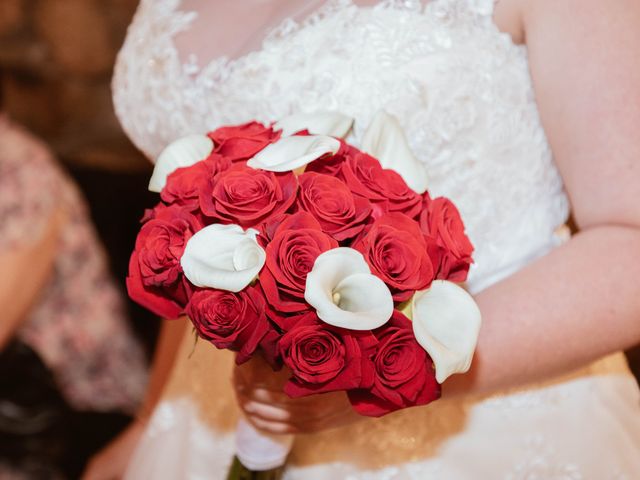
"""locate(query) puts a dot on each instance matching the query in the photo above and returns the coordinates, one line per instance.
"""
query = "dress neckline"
(223, 66)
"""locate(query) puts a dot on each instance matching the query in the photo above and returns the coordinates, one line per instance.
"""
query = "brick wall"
(56, 60)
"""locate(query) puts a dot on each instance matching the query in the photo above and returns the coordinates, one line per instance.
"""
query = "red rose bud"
(155, 278)
(242, 142)
(449, 246)
(385, 189)
(404, 373)
(396, 251)
(235, 321)
(323, 358)
(295, 245)
(340, 213)
(248, 197)
(184, 184)
(332, 165)
(268, 229)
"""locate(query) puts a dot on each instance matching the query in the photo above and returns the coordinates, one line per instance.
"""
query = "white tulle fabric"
(463, 93)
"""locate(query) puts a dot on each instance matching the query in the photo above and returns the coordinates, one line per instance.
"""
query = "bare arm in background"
(25, 271)
(111, 462)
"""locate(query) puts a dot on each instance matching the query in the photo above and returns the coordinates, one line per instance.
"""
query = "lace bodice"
(460, 87)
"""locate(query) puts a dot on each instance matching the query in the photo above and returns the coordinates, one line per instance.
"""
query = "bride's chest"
(443, 67)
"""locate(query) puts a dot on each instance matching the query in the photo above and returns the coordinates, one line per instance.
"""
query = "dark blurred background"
(56, 60)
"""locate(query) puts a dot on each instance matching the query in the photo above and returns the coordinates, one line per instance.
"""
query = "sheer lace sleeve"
(27, 186)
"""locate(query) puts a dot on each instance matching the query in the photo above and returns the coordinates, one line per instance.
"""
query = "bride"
(519, 109)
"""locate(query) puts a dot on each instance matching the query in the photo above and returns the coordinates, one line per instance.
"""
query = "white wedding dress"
(463, 92)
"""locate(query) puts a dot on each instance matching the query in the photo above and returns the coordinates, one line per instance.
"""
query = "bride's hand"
(259, 394)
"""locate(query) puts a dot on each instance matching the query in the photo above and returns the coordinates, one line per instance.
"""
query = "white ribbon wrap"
(261, 451)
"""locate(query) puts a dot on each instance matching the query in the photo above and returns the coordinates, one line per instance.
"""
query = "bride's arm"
(581, 301)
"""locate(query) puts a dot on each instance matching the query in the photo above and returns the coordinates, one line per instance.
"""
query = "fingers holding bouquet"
(261, 398)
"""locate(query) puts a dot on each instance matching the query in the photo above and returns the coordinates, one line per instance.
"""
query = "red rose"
(323, 358)
(242, 142)
(404, 372)
(340, 213)
(395, 249)
(385, 189)
(184, 184)
(331, 165)
(269, 348)
(155, 278)
(268, 229)
(449, 246)
(293, 250)
(235, 321)
(248, 197)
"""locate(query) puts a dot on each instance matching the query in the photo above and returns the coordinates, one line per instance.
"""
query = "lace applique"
(541, 462)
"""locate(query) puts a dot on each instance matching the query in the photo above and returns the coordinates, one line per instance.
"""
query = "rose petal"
(181, 153)
(224, 257)
(446, 322)
(385, 140)
(344, 292)
(333, 124)
(290, 153)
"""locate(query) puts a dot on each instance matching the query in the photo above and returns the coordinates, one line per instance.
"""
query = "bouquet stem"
(239, 472)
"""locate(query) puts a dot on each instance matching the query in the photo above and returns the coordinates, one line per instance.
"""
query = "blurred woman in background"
(70, 368)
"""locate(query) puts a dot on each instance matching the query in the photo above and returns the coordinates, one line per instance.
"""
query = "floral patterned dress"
(77, 325)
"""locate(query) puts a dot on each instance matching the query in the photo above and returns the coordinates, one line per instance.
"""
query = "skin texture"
(25, 271)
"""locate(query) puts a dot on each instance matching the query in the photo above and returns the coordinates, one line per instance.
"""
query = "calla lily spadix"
(291, 153)
(385, 140)
(224, 257)
(333, 124)
(446, 323)
(345, 294)
(182, 153)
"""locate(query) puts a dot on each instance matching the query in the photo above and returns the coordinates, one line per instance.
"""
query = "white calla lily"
(184, 152)
(291, 153)
(333, 124)
(224, 257)
(446, 323)
(385, 140)
(345, 294)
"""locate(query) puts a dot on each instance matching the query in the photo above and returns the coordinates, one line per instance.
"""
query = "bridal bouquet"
(333, 261)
